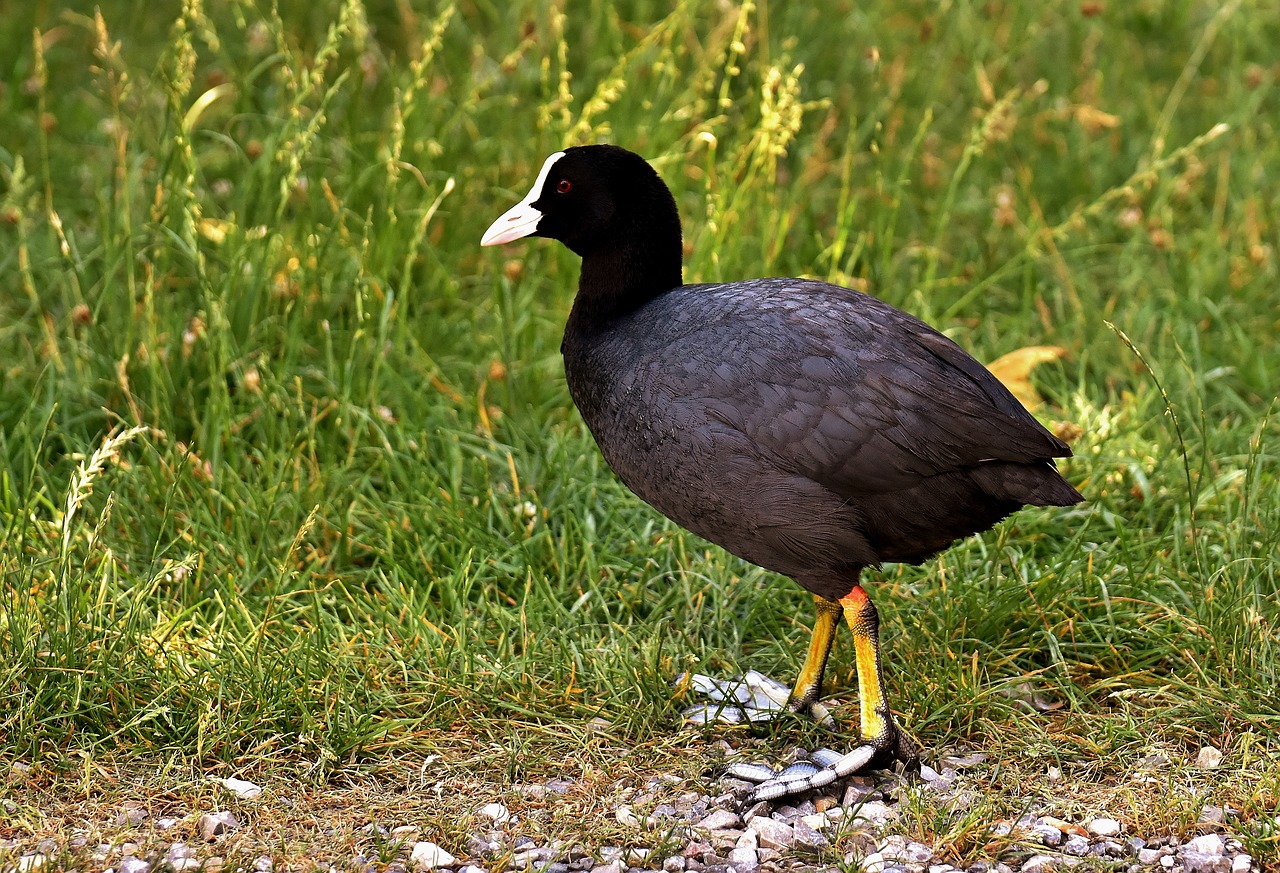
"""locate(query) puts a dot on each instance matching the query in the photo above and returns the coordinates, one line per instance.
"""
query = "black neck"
(620, 278)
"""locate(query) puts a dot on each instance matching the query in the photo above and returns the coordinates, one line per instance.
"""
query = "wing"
(835, 386)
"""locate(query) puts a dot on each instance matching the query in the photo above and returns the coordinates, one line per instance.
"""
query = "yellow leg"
(808, 687)
(876, 721)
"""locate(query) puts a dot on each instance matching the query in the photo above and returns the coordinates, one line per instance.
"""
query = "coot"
(808, 428)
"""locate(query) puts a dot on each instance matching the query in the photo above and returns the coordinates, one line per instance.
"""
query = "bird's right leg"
(808, 687)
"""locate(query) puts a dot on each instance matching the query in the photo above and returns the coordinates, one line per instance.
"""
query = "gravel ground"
(862, 822)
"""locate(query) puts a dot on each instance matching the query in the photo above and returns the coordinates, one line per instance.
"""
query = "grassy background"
(289, 478)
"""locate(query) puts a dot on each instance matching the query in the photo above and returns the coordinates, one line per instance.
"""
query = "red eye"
(564, 186)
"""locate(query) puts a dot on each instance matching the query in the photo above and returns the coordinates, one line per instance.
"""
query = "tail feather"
(1034, 484)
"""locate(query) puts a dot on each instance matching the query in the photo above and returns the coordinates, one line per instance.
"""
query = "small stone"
(1211, 814)
(858, 789)
(807, 837)
(1048, 835)
(263, 864)
(1166, 861)
(1203, 862)
(1104, 827)
(471, 868)
(1209, 758)
(1039, 863)
(532, 856)
(166, 823)
(918, 853)
(179, 851)
(663, 811)
(1054, 774)
(626, 816)
(719, 820)
(31, 862)
(873, 863)
(1153, 762)
(696, 850)
(1241, 864)
(240, 788)
(1147, 857)
(611, 867)
(1208, 844)
(818, 821)
(497, 812)
(1076, 845)
(875, 811)
(131, 816)
(133, 865)
(773, 834)
(674, 864)
(744, 860)
(427, 854)
(214, 824)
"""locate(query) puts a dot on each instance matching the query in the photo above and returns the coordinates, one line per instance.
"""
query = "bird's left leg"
(808, 687)
(875, 720)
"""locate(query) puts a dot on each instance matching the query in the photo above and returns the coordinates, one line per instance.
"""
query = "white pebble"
(1241, 864)
(1209, 758)
(496, 811)
(873, 863)
(430, 855)
(719, 820)
(240, 787)
(744, 860)
(213, 824)
(625, 816)
(773, 834)
(1208, 844)
(1199, 862)
(1040, 863)
(1104, 827)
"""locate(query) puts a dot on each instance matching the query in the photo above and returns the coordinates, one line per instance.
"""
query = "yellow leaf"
(1014, 370)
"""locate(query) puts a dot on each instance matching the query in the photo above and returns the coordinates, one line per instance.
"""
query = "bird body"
(806, 427)
(774, 418)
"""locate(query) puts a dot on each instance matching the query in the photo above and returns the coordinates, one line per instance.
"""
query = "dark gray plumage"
(806, 427)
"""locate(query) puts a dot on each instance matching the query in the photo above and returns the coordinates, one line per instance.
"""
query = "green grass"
(290, 481)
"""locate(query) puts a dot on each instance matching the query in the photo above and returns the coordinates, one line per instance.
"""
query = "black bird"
(805, 427)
